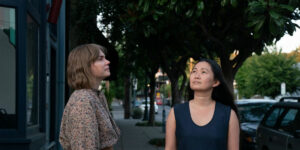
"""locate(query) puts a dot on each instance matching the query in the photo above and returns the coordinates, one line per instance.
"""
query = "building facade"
(32, 63)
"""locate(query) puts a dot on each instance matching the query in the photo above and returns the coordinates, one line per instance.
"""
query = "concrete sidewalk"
(134, 137)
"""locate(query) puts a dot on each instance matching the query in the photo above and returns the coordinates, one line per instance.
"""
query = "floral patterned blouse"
(87, 123)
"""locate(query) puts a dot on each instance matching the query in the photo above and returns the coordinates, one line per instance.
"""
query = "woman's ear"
(217, 82)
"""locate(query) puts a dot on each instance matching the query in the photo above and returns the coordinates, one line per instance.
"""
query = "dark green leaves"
(269, 17)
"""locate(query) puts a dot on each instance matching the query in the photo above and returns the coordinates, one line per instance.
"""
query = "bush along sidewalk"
(145, 124)
(159, 142)
(137, 113)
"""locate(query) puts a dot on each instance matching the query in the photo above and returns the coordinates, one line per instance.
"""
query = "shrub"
(145, 123)
(137, 113)
(159, 142)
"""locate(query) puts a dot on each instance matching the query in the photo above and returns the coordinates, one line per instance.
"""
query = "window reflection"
(32, 76)
(273, 117)
(253, 112)
(8, 68)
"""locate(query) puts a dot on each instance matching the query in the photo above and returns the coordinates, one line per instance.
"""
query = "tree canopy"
(165, 33)
(264, 74)
(208, 28)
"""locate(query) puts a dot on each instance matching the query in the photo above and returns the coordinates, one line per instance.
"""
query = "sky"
(289, 43)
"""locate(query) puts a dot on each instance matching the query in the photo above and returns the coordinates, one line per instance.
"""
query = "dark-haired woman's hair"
(221, 93)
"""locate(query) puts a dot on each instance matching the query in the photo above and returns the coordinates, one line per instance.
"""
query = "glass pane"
(53, 29)
(32, 70)
(287, 123)
(253, 112)
(8, 68)
(273, 117)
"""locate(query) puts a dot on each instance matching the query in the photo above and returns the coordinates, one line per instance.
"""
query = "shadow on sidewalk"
(134, 137)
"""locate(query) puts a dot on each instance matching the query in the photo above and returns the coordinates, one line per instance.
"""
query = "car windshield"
(253, 112)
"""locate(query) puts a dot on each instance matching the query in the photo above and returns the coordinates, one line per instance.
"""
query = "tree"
(213, 29)
(82, 29)
(264, 74)
(156, 36)
(295, 53)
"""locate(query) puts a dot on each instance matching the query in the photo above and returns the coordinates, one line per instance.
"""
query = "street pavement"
(136, 137)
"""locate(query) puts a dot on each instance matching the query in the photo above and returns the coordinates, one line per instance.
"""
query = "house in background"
(32, 59)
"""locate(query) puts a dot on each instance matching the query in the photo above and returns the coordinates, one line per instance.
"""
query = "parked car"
(142, 105)
(251, 112)
(165, 101)
(159, 101)
(280, 127)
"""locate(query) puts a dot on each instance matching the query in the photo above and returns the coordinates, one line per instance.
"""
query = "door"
(294, 141)
(268, 134)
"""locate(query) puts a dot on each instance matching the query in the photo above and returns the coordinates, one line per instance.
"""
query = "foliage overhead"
(168, 32)
(204, 28)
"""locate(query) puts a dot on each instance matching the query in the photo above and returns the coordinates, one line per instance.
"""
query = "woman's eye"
(99, 58)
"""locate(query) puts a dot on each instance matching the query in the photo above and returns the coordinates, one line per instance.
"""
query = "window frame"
(22, 9)
(282, 119)
(278, 120)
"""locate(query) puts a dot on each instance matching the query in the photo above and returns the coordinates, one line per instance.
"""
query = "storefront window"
(8, 68)
(32, 72)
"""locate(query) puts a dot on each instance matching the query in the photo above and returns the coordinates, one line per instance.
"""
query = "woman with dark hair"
(209, 120)
(87, 123)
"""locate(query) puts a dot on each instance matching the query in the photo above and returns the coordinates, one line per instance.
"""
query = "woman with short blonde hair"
(87, 123)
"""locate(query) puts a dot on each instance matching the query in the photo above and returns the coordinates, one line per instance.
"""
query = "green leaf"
(274, 14)
(273, 28)
(146, 6)
(257, 34)
(161, 2)
(198, 13)
(287, 7)
(234, 3)
(259, 25)
(173, 2)
(155, 17)
(279, 22)
(255, 20)
(176, 9)
(189, 13)
(159, 12)
(140, 3)
(224, 2)
(200, 5)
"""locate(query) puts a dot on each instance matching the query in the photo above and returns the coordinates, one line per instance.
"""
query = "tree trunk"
(146, 90)
(126, 104)
(176, 95)
(230, 67)
(152, 98)
(227, 70)
(174, 71)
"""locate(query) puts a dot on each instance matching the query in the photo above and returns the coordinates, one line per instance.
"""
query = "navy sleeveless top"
(212, 136)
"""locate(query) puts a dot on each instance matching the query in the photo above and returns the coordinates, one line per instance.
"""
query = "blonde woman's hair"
(79, 73)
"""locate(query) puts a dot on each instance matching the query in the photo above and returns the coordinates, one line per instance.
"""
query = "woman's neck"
(202, 99)
(96, 85)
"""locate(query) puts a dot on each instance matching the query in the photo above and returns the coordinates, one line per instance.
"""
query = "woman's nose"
(197, 75)
(107, 62)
